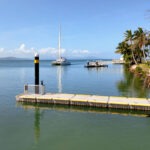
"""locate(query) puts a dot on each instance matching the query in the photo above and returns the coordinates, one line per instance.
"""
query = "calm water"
(28, 127)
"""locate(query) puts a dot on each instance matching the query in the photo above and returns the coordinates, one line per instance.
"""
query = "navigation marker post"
(36, 68)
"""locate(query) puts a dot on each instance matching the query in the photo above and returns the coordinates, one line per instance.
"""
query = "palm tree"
(148, 43)
(129, 39)
(141, 40)
(135, 47)
(123, 49)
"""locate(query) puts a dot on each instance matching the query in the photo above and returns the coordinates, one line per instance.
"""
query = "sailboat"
(61, 60)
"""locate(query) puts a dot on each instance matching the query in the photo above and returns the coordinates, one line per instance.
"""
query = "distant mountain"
(12, 58)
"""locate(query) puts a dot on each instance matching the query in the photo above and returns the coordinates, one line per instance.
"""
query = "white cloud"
(2, 50)
(49, 53)
(85, 52)
(21, 51)
(63, 50)
(25, 52)
(22, 47)
(80, 52)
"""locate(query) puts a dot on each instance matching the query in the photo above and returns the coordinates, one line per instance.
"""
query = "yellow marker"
(36, 61)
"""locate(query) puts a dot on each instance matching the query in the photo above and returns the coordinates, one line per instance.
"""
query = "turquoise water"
(30, 127)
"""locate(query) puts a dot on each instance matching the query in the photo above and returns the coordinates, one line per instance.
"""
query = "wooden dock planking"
(87, 100)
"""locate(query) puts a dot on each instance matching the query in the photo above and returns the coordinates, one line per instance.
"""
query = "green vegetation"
(143, 71)
(135, 46)
(135, 49)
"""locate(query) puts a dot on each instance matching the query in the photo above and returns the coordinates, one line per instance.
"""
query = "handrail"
(34, 89)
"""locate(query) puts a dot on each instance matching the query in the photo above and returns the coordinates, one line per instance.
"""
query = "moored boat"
(95, 64)
(61, 60)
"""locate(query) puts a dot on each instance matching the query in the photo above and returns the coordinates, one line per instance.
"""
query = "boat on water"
(60, 60)
(95, 64)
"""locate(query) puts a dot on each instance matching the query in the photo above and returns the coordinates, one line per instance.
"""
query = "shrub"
(138, 70)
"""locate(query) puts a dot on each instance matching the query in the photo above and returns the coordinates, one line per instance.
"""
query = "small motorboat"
(95, 64)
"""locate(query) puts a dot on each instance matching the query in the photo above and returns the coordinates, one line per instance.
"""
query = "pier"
(87, 100)
(36, 94)
(118, 61)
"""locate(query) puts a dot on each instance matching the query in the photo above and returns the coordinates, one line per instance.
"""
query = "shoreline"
(143, 72)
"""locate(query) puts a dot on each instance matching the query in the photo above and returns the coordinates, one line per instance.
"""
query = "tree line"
(135, 48)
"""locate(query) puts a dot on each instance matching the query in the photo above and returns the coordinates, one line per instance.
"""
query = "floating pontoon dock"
(36, 94)
(87, 100)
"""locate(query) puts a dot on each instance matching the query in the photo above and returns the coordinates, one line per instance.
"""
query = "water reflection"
(40, 111)
(97, 69)
(37, 124)
(60, 72)
(65, 108)
(131, 85)
(59, 78)
(37, 118)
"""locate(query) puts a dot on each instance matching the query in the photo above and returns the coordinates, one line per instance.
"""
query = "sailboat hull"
(60, 63)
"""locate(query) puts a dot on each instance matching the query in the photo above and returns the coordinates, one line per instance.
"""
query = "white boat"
(61, 60)
(95, 64)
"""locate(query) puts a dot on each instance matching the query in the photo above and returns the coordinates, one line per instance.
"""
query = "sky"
(89, 28)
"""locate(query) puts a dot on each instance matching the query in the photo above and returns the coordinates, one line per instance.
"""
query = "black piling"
(36, 67)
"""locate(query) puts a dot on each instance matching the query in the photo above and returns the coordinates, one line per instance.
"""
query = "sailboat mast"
(59, 40)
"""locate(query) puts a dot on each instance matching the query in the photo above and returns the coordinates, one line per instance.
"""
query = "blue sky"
(90, 28)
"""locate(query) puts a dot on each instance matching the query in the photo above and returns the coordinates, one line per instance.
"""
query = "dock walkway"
(87, 100)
